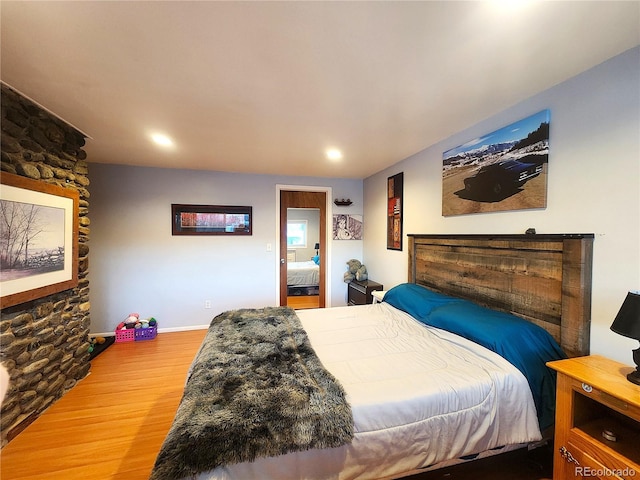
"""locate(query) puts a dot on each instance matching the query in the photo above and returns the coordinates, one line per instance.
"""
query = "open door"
(303, 200)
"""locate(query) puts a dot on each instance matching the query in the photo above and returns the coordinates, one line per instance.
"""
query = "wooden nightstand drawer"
(593, 455)
(588, 467)
(357, 296)
(594, 397)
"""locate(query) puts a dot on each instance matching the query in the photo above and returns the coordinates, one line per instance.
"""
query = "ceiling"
(267, 87)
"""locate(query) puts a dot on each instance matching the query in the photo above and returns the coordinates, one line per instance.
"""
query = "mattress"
(420, 396)
(303, 273)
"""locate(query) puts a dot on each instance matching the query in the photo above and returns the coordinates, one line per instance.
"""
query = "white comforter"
(419, 396)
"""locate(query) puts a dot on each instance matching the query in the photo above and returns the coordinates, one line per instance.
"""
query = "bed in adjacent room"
(303, 273)
(440, 372)
(303, 278)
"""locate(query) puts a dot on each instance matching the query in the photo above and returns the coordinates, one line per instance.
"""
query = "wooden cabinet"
(597, 431)
(359, 292)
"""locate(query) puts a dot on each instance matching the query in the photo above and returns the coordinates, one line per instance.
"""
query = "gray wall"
(138, 266)
(593, 187)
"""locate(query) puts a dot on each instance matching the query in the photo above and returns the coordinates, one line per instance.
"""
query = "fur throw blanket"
(256, 389)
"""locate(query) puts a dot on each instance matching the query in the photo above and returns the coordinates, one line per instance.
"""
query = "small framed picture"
(347, 227)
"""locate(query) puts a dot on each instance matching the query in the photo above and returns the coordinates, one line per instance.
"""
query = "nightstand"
(359, 292)
(597, 430)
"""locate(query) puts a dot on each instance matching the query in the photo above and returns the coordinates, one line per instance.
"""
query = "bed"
(303, 274)
(394, 389)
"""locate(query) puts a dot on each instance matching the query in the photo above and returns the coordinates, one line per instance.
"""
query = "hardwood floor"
(111, 425)
(300, 302)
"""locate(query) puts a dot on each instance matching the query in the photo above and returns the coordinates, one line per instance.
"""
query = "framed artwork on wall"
(38, 239)
(503, 170)
(210, 220)
(347, 227)
(394, 211)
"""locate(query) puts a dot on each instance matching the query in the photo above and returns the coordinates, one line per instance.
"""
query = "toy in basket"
(134, 329)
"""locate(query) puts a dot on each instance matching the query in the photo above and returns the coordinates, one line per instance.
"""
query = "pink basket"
(125, 335)
(146, 333)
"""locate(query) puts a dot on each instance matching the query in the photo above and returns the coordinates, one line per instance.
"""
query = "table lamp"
(627, 323)
(317, 247)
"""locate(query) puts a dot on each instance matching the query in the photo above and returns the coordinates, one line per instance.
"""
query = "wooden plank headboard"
(545, 279)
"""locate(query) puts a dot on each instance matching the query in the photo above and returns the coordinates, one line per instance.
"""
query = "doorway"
(299, 251)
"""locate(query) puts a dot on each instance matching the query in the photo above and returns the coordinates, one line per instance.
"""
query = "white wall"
(593, 187)
(136, 265)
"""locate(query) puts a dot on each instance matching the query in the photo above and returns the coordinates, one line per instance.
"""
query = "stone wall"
(44, 343)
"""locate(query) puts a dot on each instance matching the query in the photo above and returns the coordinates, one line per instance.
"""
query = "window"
(296, 233)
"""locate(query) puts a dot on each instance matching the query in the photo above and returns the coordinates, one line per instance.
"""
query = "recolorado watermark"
(605, 472)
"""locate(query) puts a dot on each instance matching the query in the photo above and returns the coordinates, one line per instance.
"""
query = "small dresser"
(359, 292)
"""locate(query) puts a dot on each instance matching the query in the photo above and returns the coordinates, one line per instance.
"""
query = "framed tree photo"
(38, 239)
(394, 211)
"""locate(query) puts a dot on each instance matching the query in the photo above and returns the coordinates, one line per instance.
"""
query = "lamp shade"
(317, 247)
(627, 322)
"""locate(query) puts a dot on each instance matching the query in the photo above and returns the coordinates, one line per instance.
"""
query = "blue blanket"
(525, 345)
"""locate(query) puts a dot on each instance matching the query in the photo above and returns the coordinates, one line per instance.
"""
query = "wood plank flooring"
(300, 302)
(112, 424)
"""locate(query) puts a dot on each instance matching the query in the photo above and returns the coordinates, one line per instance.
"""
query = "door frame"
(327, 240)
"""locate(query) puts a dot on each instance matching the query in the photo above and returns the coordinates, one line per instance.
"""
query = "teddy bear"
(350, 274)
(361, 273)
(356, 271)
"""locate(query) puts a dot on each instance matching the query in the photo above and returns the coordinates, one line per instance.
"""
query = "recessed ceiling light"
(334, 154)
(162, 140)
(510, 6)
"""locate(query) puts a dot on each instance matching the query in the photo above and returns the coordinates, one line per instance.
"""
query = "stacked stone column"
(44, 343)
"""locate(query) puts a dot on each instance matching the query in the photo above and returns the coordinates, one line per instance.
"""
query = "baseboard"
(160, 330)
(183, 329)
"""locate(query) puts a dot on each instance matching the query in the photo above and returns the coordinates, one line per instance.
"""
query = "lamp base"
(634, 377)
